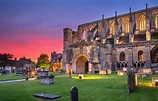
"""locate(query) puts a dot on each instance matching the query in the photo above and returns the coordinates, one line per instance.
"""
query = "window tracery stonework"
(127, 25)
(142, 23)
(156, 21)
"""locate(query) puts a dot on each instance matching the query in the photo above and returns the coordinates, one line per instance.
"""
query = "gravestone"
(46, 96)
(131, 81)
(5, 72)
(74, 94)
(47, 79)
(42, 73)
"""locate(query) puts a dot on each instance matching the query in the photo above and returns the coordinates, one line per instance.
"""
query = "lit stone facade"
(127, 40)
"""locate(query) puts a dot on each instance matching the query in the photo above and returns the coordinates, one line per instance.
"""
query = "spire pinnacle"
(130, 14)
(116, 18)
(146, 6)
(146, 10)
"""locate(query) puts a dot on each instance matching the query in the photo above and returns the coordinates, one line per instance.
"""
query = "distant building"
(56, 60)
(56, 57)
(127, 40)
(10, 68)
(24, 63)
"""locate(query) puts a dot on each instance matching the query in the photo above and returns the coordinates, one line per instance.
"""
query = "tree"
(6, 59)
(43, 62)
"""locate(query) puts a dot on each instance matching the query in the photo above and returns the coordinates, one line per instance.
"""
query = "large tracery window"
(113, 28)
(140, 55)
(127, 25)
(142, 23)
(156, 21)
(122, 56)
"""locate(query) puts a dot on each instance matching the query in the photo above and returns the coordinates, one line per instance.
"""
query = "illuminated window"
(127, 25)
(156, 21)
(142, 23)
(122, 56)
(113, 28)
(140, 55)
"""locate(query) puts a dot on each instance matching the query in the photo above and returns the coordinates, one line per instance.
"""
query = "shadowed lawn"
(11, 76)
(91, 88)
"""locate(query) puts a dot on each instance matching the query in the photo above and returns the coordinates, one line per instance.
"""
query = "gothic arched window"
(113, 28)
(156, 21)
(127, 25)
(122, 56)
(140, 55)
(142, 23)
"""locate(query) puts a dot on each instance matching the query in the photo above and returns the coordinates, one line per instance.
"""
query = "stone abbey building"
(127, 40)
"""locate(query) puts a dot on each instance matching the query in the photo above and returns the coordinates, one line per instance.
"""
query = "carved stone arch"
(141, 14)
(122, 56)
(78, 55)
(155, 13)
(81, 63)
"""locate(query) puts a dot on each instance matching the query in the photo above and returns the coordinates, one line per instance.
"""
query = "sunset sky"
(32, 27)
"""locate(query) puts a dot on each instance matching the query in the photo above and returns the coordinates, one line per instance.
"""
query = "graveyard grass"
(91, 88)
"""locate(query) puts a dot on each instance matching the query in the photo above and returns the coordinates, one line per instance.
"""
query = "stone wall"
(102, 41)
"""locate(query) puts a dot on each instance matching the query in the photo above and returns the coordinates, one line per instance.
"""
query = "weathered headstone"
(47, 79)
(5, 72)
(74, 94)
(46, 96)
(131, 81)
(42, 73)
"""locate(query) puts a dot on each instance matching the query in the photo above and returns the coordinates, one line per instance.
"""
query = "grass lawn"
(92, 88)
(11, 76)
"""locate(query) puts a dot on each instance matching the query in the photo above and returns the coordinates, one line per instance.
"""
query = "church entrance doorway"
(82, 64)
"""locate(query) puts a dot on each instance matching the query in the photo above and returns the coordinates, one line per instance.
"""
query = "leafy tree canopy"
(6, 59)
(43, 62)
